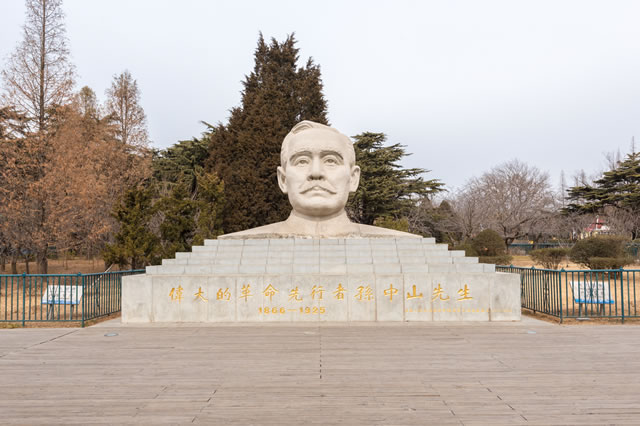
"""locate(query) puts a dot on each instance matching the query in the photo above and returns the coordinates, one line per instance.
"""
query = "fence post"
(622, 293)
(560, 287)
(24, 287)
(84, 297)
(534, 287)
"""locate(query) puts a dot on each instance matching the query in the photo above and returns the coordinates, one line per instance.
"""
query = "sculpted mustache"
(324, 188)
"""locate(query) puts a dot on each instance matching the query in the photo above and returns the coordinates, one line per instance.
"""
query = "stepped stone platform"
(300, 279)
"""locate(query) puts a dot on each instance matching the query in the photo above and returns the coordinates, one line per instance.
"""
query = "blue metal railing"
(603, 293)
(60, 297)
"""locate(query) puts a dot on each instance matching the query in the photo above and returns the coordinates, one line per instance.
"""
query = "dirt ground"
(60, 266)
(525, 261)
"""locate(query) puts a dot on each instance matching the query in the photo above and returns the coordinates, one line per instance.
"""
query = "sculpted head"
(318, 170)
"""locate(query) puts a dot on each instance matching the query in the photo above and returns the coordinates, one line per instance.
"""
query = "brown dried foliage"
(59, 187)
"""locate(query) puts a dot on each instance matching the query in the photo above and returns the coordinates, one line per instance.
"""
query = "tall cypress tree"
(246, 152)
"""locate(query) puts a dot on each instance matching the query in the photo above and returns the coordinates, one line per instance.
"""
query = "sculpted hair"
(307, 125)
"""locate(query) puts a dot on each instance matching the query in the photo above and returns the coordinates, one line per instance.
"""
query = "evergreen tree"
(180, 163)
(178, 226)
(210, 201)
(386, 189)
(191, 210)
(134, 244)
(246, 152)
(619, 188)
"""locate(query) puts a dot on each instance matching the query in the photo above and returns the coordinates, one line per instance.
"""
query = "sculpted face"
(319, 173)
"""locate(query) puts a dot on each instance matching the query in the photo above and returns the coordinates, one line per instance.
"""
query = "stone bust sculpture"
(317, 173)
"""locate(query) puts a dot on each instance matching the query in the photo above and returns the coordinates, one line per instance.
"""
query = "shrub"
(599, 246)
(549, 258)
(489, 243)
(391, 223)
(609, 262)
(468, 249)
(503, 259)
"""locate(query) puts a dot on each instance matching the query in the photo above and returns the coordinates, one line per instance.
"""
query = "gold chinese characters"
(362, 293)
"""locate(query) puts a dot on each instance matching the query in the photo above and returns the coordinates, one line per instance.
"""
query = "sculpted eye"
(301, 161)
(331, 160)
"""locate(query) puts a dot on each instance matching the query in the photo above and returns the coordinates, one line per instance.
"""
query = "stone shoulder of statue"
(317, 173)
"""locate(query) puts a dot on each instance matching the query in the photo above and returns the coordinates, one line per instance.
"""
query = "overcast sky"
(466, 85)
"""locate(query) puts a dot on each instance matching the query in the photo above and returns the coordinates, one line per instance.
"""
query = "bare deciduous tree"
(39, 75)
(471, 216)
(511, 198)
(123, 107)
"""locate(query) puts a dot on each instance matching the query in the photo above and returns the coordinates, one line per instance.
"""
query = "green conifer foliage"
(180, 163)
(210, 202)
(178, 226)
(135, 244)
(619, 188)
(386, 189)
(189, 200)
(245, 152)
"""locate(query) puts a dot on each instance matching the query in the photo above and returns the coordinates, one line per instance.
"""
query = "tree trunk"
(14, 266)
(41, 257)
(3, 263)
(26, 264)
(43, 64)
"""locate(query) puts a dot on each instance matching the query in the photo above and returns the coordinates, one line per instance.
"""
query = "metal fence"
(60, 297)
(606, 293)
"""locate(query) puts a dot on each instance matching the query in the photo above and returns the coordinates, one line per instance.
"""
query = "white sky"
(466, 85)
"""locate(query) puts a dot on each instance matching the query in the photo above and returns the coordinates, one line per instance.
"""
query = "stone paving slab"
(529, 372)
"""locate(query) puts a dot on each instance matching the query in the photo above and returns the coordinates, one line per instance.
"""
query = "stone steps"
(331, 269)
(309, 256)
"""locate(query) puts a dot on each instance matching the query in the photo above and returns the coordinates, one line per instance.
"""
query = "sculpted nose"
(316, 171)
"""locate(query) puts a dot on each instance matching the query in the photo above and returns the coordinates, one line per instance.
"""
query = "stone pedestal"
(291, 279)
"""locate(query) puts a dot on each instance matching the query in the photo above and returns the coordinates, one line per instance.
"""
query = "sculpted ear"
(355, 179)
(282, 179)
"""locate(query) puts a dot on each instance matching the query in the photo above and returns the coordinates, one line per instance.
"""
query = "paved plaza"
(530, 372)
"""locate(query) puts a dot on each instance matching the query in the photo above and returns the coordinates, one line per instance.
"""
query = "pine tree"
(246, 152)
(210, 201)
(180, 163)
(178, 227)
(134, 244)
(618, 188)
(386, 189)
(192, 208)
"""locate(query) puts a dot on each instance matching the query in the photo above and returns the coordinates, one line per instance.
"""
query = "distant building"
(597, 227)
